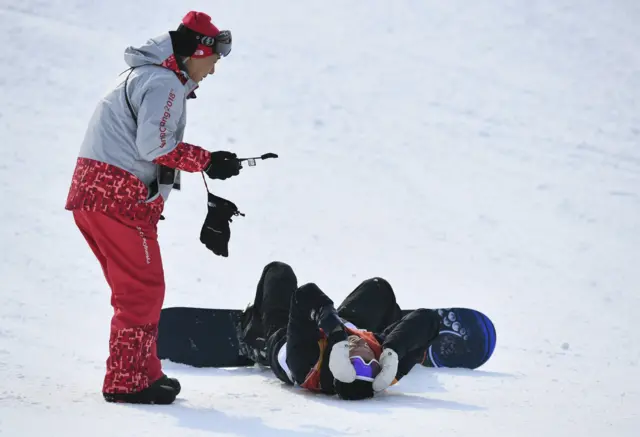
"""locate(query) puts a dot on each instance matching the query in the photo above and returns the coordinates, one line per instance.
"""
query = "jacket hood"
(155, 51)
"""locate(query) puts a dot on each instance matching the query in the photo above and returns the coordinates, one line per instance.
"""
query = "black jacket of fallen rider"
(312, 314)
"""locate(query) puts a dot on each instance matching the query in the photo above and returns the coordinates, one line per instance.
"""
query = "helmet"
(362, 387)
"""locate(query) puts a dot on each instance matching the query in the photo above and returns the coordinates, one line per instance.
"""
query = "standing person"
(129, 162)
(359, 349)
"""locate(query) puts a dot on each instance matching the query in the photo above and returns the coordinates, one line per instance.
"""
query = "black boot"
(251, 336)
(171, 382)
(250, 326)
(160, 392)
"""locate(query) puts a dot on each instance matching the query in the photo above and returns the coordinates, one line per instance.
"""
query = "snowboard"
(210, 337)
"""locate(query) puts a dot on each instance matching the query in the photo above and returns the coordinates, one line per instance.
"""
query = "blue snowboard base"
(208, 337)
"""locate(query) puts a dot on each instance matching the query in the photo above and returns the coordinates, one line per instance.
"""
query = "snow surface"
(480, 154)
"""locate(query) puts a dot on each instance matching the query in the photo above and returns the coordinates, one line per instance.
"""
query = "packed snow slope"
(480, 154)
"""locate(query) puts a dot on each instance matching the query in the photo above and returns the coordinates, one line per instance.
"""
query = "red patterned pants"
(129, 254)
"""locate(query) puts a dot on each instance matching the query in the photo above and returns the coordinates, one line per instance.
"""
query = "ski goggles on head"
(220, 44)
(365, 371)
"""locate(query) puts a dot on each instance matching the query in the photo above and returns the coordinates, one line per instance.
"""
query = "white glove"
(340, 364)
(389, 363)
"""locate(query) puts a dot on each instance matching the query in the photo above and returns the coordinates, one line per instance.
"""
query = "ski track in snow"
(481, 155)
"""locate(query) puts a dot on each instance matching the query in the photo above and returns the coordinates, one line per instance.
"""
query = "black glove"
(223, 165)
(215, 231)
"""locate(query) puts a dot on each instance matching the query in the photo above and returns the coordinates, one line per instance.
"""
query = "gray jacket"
(158, 99)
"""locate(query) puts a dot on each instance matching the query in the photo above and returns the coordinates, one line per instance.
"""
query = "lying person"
(359, 349)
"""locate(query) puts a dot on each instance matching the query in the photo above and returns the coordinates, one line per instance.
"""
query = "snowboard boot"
(256, 351)
(161, 392)
(251, 336)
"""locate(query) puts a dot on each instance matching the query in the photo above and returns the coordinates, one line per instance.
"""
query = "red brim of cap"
(202, 51)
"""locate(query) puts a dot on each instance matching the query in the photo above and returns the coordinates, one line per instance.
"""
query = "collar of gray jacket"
(156, 51)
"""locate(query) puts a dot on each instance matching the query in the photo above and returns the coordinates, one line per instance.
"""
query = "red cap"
(201, 23)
